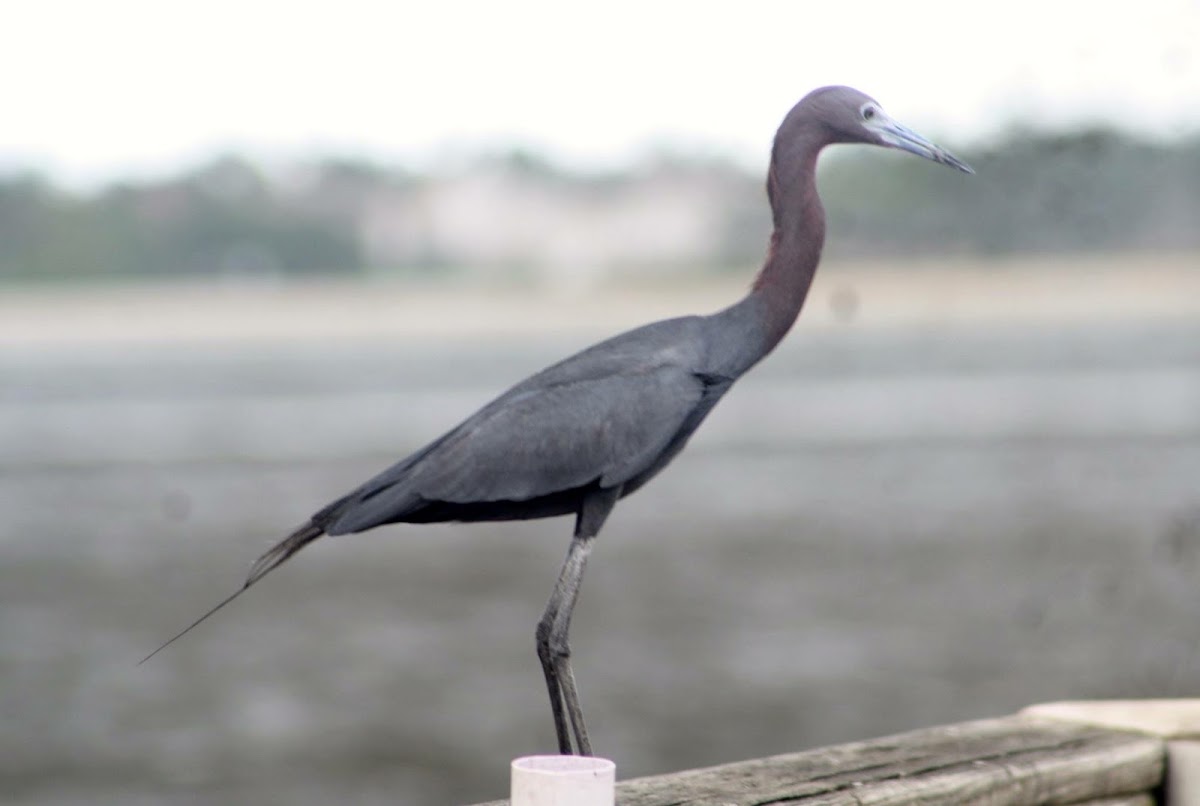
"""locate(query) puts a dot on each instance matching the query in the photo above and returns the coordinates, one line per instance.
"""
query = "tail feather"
(274, 557)
(282, 551)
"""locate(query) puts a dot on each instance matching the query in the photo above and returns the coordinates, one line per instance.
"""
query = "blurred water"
(881, 528)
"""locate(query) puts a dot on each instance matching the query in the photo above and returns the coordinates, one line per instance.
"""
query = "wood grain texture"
(1013, 761)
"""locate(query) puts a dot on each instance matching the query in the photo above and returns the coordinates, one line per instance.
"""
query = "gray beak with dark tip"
(897, 136)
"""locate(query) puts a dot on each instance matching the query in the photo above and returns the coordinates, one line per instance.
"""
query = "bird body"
(609, 416)
(612, 415)
(582, 433)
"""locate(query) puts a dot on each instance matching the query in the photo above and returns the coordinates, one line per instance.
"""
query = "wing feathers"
(537, 442)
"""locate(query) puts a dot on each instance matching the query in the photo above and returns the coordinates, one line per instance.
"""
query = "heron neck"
(782, 284)
(745, 332)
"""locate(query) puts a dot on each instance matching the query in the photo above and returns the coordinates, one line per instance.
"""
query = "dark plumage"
(581, 434)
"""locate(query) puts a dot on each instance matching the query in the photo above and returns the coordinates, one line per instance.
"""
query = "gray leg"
(553, 649)
(555, 654)
(556, 706)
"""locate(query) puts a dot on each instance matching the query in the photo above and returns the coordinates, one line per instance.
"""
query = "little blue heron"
(595, 427)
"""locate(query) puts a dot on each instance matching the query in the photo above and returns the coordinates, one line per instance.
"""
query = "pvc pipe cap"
(563, 781)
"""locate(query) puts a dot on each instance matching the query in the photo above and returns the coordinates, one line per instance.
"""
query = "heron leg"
(556, 706)
(553, 649)
(555, 653)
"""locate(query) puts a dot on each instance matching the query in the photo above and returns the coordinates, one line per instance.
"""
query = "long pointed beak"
(904, 138)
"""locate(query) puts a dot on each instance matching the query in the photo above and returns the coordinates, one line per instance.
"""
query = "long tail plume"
(274, 557)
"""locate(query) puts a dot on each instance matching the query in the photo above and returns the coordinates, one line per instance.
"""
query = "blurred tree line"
(1087, 191)
(1036, 192)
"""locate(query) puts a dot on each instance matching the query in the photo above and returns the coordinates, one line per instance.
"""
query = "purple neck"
(795, 248)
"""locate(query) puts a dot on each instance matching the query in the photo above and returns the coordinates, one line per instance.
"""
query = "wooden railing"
(1131, 753)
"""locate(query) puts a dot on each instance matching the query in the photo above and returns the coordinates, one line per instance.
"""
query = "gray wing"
(538, 441)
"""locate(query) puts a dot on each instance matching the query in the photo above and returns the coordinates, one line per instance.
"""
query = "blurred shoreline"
(872, 293)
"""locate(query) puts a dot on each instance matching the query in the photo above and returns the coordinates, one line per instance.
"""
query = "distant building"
(505, 218)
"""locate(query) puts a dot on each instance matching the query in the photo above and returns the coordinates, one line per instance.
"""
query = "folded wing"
(538, 442)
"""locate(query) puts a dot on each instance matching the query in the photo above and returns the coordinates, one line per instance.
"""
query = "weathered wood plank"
(1122, 800)
(1177, 721)
(1013, 761)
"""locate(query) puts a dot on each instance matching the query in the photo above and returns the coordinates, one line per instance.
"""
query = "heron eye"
(868, 112)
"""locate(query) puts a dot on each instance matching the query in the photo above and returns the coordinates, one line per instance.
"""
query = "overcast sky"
(91, 90)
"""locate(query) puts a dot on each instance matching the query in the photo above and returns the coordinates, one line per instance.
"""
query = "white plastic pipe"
(563, 781)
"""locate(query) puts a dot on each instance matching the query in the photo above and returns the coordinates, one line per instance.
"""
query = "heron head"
(851, 116)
